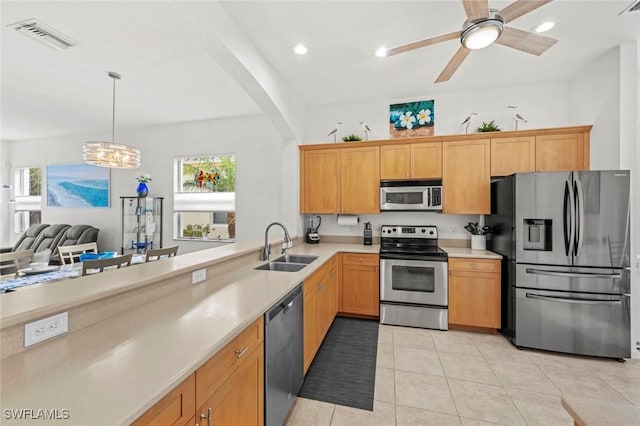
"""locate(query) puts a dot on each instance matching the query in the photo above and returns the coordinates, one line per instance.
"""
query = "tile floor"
(429, 377)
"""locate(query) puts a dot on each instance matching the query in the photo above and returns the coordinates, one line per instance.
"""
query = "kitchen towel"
(348, 220)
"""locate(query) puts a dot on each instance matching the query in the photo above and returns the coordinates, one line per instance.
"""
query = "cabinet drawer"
(214, 372)
(474, 265)
(360, 259)
(175, 408)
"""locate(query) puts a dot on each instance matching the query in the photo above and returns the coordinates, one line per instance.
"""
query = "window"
(28, 198)
(204, 199)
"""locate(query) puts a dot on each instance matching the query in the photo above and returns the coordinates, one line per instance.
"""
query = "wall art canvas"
(411, 119)
(77, 185)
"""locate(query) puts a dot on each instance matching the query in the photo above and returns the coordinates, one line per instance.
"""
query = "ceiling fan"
(483, 27)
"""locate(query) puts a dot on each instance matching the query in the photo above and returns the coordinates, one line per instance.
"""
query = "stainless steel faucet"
(266, 250)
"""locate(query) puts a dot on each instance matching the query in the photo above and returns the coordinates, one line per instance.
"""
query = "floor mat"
(344, 369)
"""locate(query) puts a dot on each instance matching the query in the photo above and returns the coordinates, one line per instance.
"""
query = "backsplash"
(449, 226)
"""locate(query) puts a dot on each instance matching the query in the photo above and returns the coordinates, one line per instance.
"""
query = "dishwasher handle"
(286, 303)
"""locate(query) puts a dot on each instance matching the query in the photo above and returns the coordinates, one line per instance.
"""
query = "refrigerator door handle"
(572, 274)
(573, 300)
(580, 217)
(569, 214)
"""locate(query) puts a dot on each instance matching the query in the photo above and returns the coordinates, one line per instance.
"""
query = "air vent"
(36, 30)
(634, 7)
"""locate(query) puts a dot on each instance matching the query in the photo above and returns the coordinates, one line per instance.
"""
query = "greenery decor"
(193, 231)
(491, 126)
(351, 138)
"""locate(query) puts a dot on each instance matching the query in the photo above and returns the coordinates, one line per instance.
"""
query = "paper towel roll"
(348, 220)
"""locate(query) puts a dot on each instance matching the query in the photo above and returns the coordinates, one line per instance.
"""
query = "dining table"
(22, 279)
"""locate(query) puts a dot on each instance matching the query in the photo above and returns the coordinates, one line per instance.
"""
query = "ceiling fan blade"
(423, 43)
(476, 9)
(453, 64)
(525, 41)
(519, 8)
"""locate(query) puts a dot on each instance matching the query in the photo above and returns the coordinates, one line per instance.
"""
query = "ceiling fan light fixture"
(481, 34)
(382, 52)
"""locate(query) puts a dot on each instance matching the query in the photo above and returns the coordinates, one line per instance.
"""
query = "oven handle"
(572, 300)
(573, 274)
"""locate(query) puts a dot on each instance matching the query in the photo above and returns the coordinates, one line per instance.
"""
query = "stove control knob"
(423, 231)
(430, 232)
(394, 229)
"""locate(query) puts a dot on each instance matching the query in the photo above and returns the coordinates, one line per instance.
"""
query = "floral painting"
(411, 119)
(77, 185)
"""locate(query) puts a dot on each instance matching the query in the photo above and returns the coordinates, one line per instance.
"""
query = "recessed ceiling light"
(300, 49)
(381, 52)
(545, 26)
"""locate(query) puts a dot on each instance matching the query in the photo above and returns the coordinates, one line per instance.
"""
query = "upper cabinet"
(562, 152)
(411, 161)
(513, 155)
(466, 177)
(345, 180)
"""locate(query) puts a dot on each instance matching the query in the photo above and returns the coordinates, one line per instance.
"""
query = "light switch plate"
(198, 276)
(46, 328)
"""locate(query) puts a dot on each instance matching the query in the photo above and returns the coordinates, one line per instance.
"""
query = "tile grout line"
(444, 374)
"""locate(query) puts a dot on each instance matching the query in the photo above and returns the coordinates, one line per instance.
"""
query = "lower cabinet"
(361, 284)
(228, 389)
(176, 408)
(240, 399)
(320, 308)
(474, 293)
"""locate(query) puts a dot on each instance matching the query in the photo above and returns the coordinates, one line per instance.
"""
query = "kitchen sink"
(281, 266)
(296, 258)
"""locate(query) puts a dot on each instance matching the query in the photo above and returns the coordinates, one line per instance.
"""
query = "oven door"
(413, 281)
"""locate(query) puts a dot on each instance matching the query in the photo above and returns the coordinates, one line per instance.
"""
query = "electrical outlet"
(46, 328)
(198, 276)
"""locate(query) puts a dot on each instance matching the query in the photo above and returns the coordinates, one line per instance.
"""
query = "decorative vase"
(142, 190)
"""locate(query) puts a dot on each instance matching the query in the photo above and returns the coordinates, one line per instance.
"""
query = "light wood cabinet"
(240, 399)
(360, 284)
(176, 408)
(466, 177)
(513, 155)
(320, 181)
(345, 180)
(360, 180)
(227, 389)
(562, 152)
(474, 293)
(411, 161)
(320, 308)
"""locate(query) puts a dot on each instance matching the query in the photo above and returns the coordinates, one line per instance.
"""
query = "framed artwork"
(77, 185)
(411, 119)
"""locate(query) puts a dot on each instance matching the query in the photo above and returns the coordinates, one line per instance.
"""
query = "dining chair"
(71, 254)
(10, 262)
(161, 253)
(90, 267)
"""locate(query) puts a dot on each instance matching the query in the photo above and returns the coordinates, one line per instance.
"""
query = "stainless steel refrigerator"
(566, 272)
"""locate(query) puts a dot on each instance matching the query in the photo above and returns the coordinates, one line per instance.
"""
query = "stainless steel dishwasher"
(283, 371)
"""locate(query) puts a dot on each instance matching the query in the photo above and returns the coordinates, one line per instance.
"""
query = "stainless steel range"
(413, 277)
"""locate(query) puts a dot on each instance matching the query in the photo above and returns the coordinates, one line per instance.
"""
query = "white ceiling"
(170, 73)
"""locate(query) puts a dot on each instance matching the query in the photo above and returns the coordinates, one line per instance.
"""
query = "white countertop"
(467, 252)
(112, 372)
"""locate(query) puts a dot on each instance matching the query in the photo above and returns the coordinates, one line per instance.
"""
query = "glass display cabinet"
(141, 224)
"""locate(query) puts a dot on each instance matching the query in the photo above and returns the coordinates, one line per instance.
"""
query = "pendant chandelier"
(111, 154)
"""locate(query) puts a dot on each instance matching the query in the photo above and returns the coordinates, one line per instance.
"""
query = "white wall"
(5, 194)
(594, 98)
(542, 105)
(252, 138)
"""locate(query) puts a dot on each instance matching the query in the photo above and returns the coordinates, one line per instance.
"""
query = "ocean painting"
(412, 119)
(77, 185)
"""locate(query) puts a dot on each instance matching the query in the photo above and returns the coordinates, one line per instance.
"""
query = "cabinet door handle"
(242, 352)
(209, 417)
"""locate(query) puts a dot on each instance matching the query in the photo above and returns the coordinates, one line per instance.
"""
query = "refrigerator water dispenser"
(537, 234)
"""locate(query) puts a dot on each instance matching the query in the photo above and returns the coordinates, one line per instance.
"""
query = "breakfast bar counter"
(113, 371)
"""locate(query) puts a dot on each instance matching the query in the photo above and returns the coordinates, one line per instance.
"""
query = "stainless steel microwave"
(411, 195)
